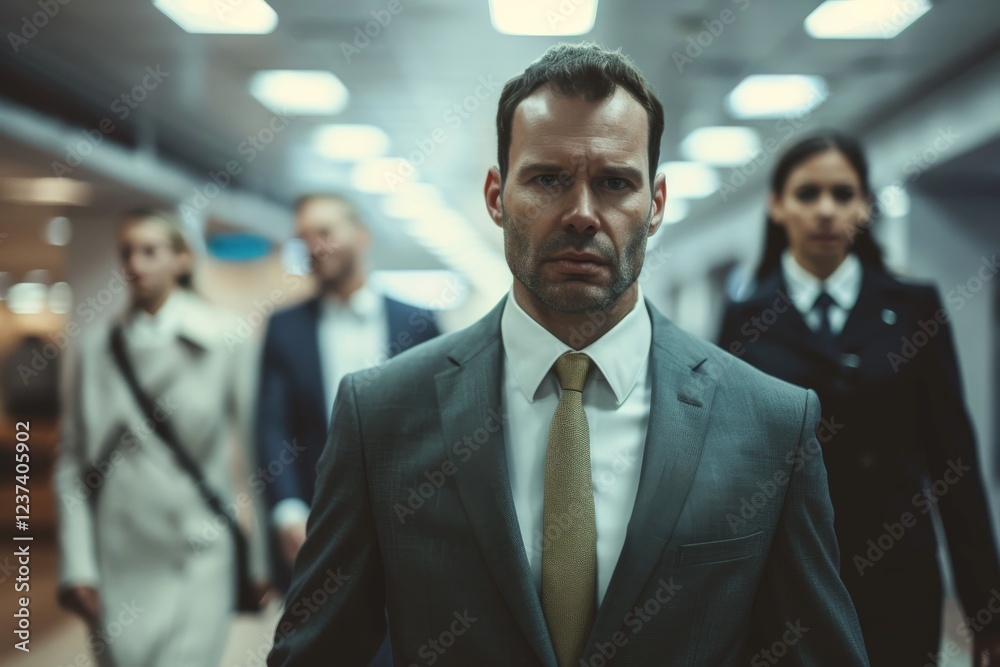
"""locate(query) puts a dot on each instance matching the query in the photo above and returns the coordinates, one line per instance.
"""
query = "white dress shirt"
(843, 286)
(352, 335)
(616, 401)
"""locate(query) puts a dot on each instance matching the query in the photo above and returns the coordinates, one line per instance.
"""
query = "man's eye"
(548, 181)
(617, 183)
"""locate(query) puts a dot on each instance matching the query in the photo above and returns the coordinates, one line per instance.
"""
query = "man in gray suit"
(572, 480)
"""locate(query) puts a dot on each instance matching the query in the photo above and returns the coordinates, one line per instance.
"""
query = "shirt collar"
(166, 321)
(362, 303)
(620, 354)
(843, 285)
(180, 315)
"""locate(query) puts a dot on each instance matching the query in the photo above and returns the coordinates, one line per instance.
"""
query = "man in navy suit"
(308, 348)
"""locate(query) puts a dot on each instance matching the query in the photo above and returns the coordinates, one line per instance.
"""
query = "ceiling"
(432, 55)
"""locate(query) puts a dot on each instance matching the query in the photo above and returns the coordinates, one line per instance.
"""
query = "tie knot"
(571, 369)
(824, 300)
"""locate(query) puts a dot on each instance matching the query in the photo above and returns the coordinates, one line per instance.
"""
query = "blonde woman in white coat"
(144, 560)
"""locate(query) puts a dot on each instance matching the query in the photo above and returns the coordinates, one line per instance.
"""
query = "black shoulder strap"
(163, 428)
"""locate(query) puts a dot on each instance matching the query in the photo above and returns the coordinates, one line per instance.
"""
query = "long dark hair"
(775, 237)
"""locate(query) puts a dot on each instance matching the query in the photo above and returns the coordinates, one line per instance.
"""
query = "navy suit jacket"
(292, 410)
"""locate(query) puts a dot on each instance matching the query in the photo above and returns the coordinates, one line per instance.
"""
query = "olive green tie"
(569, 547)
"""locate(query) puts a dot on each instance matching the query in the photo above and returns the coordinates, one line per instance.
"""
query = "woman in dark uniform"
(827, 315)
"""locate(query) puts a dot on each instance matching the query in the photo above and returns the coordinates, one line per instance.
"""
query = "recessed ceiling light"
(864, 19)
(245, 17)
(58, 231)
(383, 175)
(27, 298)
(300, 92)
(414, 201)
(46, 191)
(350, 143)
(689, 180)
(776, 95)
(895, 201)
(721, 146)
(60, 298)
(543, 17)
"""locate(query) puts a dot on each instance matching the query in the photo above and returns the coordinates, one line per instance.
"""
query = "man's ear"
(493, 192)
(658, 203)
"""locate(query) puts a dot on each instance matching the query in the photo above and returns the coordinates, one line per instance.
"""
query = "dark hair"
(775, 236)
(308, 198)
(585, 69)
(176, 233)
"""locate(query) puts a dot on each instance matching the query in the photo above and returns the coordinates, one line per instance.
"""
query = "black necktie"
(823, 303)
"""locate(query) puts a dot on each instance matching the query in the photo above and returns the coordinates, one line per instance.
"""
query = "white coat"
(161, 559)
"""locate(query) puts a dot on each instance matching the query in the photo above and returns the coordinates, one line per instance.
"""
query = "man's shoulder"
(411, 369)
(739, 386)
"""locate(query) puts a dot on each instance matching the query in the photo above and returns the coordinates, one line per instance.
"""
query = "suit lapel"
(678, 421)
(310, 358)
(468, 394)
(865, 322)
(788, 326)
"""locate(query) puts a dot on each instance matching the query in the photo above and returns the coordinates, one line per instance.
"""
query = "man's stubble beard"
(527, 267)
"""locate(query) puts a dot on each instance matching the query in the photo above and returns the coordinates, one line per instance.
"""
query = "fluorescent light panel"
(689, 180)
(300, 92)
(543, 17)
(222, 17)
(350, 143)
(721, 146)
(46, 190)
(383, 175)
(864, 19)
(776, 95)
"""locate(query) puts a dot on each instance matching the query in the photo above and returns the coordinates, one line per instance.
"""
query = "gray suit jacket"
(730, 555)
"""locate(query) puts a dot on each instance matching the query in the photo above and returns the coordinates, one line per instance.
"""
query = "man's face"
(576, 207)
(335, 242)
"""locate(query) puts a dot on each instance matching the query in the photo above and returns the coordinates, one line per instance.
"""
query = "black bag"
(247, 595)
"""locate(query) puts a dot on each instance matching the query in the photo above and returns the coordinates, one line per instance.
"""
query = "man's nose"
(581, 216)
